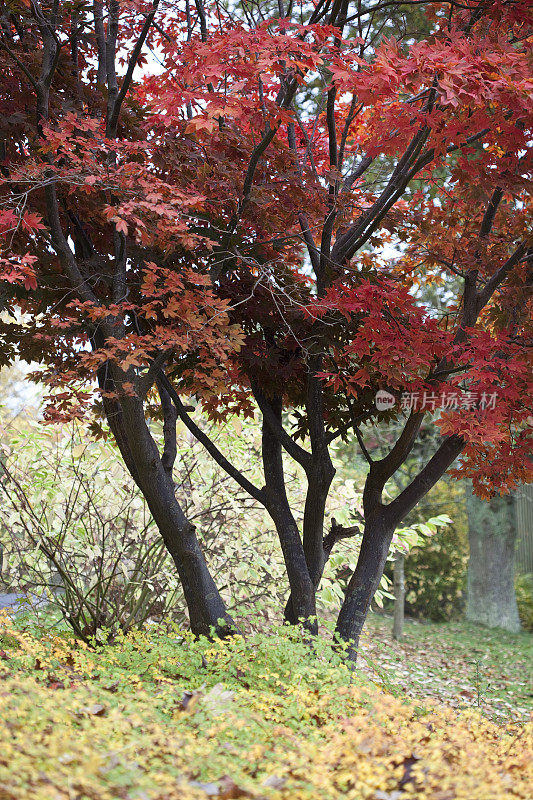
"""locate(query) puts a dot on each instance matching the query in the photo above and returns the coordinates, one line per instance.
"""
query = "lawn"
(462, 664)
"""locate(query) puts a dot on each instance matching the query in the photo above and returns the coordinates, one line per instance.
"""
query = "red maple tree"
(278, 207)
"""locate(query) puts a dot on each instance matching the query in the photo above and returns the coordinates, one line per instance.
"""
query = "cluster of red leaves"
(217, 278)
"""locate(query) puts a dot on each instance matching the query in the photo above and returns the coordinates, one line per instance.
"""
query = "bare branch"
(301, 456)
(364, 227)
(387, 466)
(312, 249)
(147, 380)
(212, 449)
(363, 446)
(484, 295)
(62, 247)
(19, 64)
(170, 416)
(426, 478)
(336, 533)
(112, 121)
(490, 213)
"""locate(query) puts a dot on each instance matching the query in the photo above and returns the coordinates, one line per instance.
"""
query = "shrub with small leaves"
(162, 716)
(524, 600)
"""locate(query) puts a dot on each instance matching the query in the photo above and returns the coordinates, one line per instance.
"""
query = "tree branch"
(336, 533)
(386, 467)
(484, 295)
(19, 64)
(170, 416)
(363, 446)
(112, 121)
(62, 247)
(98, 14)
(490, 212)
(212, 449)
(426, 478)
(346, 245)
(301, 456)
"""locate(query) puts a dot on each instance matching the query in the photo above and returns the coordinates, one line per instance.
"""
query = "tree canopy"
(253, 204)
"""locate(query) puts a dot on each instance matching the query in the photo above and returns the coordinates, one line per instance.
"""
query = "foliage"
(461, 664)
(78, 535)
(73, 521)
(18, 397)
(435, 574)
(221, 228)
(161, 716)
(524, 600)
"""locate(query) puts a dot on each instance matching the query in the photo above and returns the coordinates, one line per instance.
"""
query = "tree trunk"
(491, 598)
(377, 537)
(313, 530)
(399, 596)
(302, 590)
(301, 605)
(140, 453)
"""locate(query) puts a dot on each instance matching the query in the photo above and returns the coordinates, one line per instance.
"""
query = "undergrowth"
(161, 716)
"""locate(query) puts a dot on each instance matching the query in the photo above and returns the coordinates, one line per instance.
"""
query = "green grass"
(462, 664)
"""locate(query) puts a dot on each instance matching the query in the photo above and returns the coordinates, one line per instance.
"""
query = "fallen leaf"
(211, 789)
(274, 782)
(94, 710)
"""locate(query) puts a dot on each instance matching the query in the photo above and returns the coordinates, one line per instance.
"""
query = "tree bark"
(491, 598)
(140, 453)
(399, 596)
(302, 590)
(320, 473)
(377, 537)
(313, 531)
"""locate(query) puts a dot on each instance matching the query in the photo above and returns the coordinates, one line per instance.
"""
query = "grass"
(463, 665)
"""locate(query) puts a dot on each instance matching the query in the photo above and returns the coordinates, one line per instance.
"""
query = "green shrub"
(524, 600)
(435, 577)
(435, 573)
(161, 716)
(74, 529)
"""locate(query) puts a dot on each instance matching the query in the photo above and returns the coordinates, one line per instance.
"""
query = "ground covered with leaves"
(464, 665)
(158, 715)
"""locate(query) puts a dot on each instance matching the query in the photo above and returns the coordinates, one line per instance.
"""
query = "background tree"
(221, 228)
(492, 530)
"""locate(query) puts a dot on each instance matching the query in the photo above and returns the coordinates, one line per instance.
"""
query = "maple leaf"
(200, 124)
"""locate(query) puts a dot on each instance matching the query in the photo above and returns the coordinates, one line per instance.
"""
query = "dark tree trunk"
(320, 473)
(382, 520)
(303, 605)
(491, 598)
(313, 531)
(140, 453)
(314, 513)
(377, 537)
